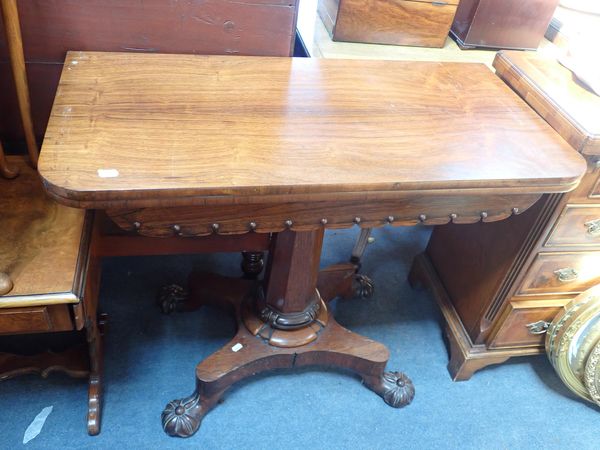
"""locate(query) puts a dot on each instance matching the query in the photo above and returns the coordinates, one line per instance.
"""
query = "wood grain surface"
(398, 22)
(128, 127)
(557, 95)
(39, 242)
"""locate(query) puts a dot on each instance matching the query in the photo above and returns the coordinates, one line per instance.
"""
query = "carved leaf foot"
(171, 298)
(363, 286)
(396, 389)
(182, 417)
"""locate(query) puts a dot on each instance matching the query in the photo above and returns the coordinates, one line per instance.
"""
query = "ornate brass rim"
(591, 376)
(565, 332)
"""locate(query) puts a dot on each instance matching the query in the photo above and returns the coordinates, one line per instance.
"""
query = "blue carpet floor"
(150, 360)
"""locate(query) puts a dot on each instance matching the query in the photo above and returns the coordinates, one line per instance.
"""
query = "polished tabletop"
(127, 127)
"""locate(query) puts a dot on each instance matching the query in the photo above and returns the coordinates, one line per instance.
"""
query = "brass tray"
(571, 338)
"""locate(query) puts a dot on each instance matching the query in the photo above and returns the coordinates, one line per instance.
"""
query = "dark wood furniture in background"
(510, 24)
(50, 29)
(497, 284)
(179, 146)
(401, 22)
(49, 272)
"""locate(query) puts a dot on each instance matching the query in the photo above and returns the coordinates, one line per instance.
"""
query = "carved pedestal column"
(287, 313)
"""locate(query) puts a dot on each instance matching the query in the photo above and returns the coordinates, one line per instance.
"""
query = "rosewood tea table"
(191, 146)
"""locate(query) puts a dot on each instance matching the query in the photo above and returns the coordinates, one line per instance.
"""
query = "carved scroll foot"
(182, 417)
(171, 298)
(363, 286)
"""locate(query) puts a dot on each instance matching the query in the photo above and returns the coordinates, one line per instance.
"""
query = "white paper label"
(237, 347)
(108, 173)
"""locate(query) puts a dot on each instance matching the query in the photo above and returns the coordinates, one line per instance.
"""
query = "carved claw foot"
(182, 417)
(172, 298)
(397, 389)
(363, 286)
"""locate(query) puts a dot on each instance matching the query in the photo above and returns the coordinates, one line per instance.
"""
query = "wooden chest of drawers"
(498, 283)
(401, 22)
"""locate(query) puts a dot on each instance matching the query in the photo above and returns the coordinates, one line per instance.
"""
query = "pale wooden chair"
(49, 268)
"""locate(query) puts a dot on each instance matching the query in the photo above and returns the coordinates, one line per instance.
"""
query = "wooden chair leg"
(12, 28)
(96, 351)
(94, 327)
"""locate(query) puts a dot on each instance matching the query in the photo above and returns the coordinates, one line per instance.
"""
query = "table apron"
(306, 216)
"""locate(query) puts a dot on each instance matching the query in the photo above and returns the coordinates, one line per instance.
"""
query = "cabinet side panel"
(510, 23)
(472, 262)
(462, 20)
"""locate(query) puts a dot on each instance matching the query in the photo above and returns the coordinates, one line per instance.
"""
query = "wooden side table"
(498, 285)
(173, 146)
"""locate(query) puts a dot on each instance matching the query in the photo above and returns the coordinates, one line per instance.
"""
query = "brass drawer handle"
(539, 327)
(593, 227)
(566, 275)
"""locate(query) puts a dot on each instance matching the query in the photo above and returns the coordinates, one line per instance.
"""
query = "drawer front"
(561, 273)
(516, 323)
(396, 22)
(40, 319)
(577, 225)
(595, 193)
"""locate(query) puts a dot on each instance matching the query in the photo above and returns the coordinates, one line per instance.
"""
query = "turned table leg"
(252, 264)
(283, 322)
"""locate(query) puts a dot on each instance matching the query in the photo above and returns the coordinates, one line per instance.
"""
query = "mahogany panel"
(472, 263)
(225, 129)
(244, 27)
(43, 81)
